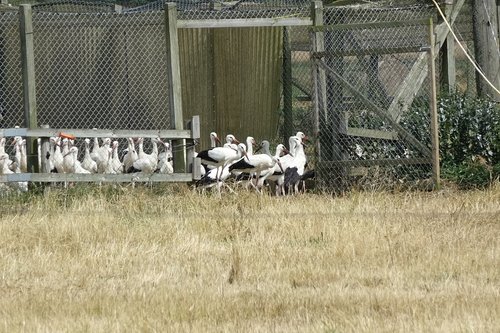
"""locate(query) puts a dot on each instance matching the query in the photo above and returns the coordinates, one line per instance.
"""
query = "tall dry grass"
(109, 260)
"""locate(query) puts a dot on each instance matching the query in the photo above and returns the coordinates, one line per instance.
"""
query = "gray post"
(486, 47)
(318, 75)
(434, 109)
(287, 86)
(29, 94)
(448, 71)
(174, 84)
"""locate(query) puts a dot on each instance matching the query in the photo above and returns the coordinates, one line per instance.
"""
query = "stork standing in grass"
(221, 156)
(256, 163)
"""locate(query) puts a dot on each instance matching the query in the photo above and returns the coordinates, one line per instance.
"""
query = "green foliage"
(469, 137)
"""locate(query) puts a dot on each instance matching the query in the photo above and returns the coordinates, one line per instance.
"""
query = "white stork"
(256, 163)
(88, 163)
(221, 156)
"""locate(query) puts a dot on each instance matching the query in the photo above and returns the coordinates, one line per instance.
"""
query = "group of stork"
(285, 170)
(99, 157)
(62, 157)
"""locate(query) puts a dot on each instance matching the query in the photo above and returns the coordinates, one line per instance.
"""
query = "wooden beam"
(448, 69)
(370, 25)
(241, 23)
(29, 93)
(362, 52)
(413, 81)
(486, 47)
(377, 162)
(74, 177)
(318, 74)
(371, 134)
(174, 82)
(96, 133)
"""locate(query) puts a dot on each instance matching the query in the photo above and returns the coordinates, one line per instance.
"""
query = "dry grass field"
(169, 260)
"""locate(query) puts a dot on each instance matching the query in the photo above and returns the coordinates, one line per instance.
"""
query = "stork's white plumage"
(71, 163)
(148, 162)
(115, 160)
(165, 159)
(256, 163)
(221, 156)
(295, 169)
(88, 163)
(24, 157)
(103, 156)
(5, 170)
(131, 156)
(57, 157)
(276, 173)
(95, 149)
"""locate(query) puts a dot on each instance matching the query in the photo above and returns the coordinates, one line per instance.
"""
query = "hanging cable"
(463, 49)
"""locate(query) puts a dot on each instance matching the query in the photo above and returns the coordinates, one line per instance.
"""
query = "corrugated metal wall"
(231, 78)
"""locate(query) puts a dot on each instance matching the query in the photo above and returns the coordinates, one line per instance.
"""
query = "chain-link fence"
(373, 98)
(363, 97)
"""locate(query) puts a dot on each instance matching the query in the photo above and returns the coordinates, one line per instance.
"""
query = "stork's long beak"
(285, 151)
(237, 141)
(258, 149)
(217, 139)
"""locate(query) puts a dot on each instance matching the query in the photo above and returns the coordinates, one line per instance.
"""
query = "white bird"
(295, 169)
(5, 170)
(2, 145)
(71, 163)
(18, 155)
(275, 174)
(57, 156)
(131, 155)
(102, 156)
(95, 148)
(115, 160)
(222, 156)
(24, 157)
(165, 159)
(88, 163)
(213, 143)
(256, 163)
(146, 163)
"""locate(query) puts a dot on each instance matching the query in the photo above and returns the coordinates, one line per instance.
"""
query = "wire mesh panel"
(74, 6)
(373, 115)
(101, 70)
(11, 88)
(202, 9)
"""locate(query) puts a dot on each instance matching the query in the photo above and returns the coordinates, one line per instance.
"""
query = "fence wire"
(11, 96)
(374, 114)
(102, 66)
(101, 70)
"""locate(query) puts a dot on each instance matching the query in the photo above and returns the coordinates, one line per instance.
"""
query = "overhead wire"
(464, 50)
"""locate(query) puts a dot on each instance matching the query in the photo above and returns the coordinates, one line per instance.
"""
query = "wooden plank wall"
(231, 78)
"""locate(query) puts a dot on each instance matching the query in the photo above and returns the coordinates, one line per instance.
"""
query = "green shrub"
(469, 137)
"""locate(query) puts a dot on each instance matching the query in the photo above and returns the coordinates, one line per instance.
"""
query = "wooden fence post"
(448, 71)
(433, 109)
(287, 86)
(174, 85)
(318, 75)
(29, 93)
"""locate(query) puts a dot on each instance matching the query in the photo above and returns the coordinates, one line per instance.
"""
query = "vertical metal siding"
(231, 78)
